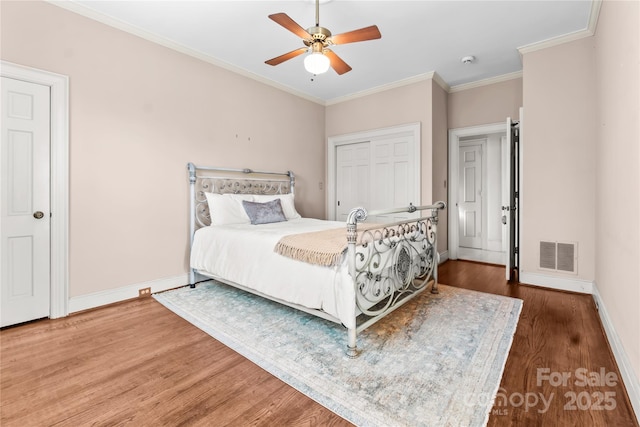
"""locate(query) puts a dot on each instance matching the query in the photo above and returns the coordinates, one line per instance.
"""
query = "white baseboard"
(97, 299)
(444, 256)
(555, 282)
(629, 377)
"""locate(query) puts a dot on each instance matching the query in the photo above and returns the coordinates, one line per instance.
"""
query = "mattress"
(244, 254)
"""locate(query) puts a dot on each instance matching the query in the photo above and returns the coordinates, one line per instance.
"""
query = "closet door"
(377, 170)
(392, 176)
(353, 178)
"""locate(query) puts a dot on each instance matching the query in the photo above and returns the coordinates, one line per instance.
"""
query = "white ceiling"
(418, 37)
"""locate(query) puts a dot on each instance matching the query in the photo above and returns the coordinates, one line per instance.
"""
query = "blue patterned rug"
(437, 361)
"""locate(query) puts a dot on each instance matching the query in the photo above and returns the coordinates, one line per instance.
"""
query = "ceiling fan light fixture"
(316, 63)
(318, 41)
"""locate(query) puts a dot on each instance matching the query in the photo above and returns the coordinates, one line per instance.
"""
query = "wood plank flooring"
(136, 363)
(559, 334)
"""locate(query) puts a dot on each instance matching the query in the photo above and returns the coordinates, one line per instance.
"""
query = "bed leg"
(434, 287)
(192, 278)
(352, 347)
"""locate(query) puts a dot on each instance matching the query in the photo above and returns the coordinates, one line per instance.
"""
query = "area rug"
(436, 361)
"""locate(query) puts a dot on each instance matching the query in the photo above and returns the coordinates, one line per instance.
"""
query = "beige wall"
(393, 107)
(617, 166)
(484, 105)
(440, 172)
(138, 113)
(558, 145)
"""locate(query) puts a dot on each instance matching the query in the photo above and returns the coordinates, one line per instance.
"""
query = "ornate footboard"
(391, 264)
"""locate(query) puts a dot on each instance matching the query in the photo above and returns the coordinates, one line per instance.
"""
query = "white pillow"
(227, 208)
(286, 200)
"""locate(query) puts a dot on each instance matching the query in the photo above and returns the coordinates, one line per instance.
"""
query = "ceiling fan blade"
(280, 59)
(363, 34)
(291, 25)
(337, 63)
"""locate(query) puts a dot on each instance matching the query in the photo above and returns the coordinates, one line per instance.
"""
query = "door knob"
(38, 215)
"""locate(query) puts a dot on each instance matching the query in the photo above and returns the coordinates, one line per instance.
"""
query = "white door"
(505, 145)
(392, 176)
(24, 202)
(353, 178)
(470, 195)
(391, 156)
(510, 200)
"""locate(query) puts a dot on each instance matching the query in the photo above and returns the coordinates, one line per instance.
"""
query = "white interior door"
(506, 198)
(25, 202)
(506, 183)
(353, 178)
(470, 195)
(393, 165)
(392, 176)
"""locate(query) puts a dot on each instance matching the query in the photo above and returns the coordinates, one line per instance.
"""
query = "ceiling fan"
(317, 41)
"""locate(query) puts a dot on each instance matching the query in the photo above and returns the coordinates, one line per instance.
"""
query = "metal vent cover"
(558, 256)
(548, 255)
(566, 257)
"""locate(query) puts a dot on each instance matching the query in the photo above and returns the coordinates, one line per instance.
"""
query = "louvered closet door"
(25, 215)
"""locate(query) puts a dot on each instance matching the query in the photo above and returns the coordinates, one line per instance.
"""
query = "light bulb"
(316, 63)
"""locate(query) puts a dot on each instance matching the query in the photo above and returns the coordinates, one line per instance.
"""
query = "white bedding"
(244, 254)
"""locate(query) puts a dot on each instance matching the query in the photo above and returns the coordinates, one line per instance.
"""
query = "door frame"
(59, 179)
(334, 141)
(454, 143)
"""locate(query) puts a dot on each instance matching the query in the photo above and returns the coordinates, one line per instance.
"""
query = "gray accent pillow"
(264, 213)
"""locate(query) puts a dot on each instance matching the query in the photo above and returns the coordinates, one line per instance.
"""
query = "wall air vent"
(559, 256)
(548, 255)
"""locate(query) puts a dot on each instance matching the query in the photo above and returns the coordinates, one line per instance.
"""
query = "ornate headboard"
(204, 179)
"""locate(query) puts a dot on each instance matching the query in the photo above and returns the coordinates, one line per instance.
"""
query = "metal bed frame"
(391, 265)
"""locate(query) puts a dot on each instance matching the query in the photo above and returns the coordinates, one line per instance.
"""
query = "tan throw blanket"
(318, 247)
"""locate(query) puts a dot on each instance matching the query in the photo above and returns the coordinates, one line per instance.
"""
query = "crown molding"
(545, 44)
(486, 82)
(440, 81)
(432, 75)
(594, 13)
(163, 41)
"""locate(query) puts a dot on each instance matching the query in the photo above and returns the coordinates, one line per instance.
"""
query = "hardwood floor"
(137, 363)
(558, 342)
